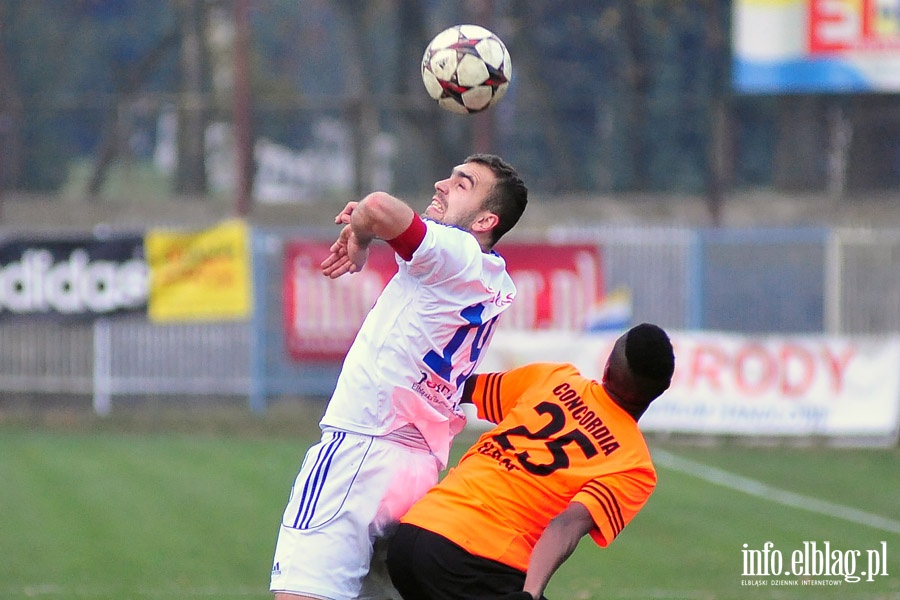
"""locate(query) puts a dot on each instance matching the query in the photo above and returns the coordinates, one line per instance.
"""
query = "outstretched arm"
(555, 545)
(378, 215)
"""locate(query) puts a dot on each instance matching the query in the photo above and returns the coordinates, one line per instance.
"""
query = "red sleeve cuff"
(407, 242)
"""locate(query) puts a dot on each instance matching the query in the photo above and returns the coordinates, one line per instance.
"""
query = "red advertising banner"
(849, 25)
(558, 285)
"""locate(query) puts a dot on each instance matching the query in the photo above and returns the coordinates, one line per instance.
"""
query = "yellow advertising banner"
(199, 275)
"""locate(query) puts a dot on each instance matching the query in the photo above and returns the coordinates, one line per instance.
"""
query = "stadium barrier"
(782, 282)
(839, 389)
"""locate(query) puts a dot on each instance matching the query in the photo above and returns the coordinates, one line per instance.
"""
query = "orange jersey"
(559, 438)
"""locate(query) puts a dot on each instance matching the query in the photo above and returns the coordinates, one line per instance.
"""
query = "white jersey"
(426, 333)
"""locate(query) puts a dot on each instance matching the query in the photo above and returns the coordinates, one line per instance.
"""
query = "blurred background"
(249, 103)
(169, 175)
(723, 166)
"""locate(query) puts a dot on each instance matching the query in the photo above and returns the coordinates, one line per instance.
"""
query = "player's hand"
(343, 217)
(347, 255)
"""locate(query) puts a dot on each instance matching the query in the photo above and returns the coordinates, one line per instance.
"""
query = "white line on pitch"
(762, 490)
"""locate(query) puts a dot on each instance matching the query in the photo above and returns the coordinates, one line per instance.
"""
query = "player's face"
(458, 199)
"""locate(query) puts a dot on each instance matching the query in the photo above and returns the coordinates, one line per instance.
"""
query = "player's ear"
(485, 222)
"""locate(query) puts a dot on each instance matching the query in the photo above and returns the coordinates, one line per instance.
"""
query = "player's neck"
(631, 406)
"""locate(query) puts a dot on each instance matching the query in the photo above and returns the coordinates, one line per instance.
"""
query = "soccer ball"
(466, 68)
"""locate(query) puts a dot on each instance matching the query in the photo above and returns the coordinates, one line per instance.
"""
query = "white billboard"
(734, 384)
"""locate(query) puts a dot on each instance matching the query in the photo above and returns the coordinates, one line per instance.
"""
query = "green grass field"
(188, 508)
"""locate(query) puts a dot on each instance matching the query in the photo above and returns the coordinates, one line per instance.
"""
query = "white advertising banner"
(726, 383)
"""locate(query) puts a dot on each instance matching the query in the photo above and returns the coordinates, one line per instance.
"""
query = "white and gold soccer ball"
(466, 68)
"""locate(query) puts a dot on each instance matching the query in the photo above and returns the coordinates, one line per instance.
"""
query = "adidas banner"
(79, 278)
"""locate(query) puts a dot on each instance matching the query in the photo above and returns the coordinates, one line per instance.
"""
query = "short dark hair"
(649, 352)
(639, 368)
(508, 196)
(651, 359)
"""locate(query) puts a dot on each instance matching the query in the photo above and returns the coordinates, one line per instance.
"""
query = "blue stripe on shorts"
(312, 489)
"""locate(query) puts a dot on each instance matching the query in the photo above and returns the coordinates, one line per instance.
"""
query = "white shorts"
(350, 493)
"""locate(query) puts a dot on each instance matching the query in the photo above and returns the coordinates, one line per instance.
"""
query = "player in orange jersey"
(566, 459)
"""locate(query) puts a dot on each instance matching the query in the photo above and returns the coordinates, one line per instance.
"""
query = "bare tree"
(719, 153)
(129, 82)
(537, 94)
(413, 23)
(11, 117)
(800, 144)
(190, 177)
(243, 135)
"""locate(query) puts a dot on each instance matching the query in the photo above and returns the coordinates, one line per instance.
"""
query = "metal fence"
(45, 356)
(805, 280)
(135, 357)
(842, 282)
(863, 274)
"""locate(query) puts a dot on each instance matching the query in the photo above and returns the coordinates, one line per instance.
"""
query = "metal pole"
(103, 387)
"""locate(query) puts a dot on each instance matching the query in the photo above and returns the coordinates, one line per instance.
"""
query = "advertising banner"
(80, 277)
(199, 275)
(322, 315)
(829, 46)
(853, 26)
(746, 385)
(558, 286)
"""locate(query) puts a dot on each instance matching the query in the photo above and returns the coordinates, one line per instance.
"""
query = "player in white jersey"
(387, 429)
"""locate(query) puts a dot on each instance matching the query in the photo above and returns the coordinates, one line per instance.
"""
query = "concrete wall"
(29, 213)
